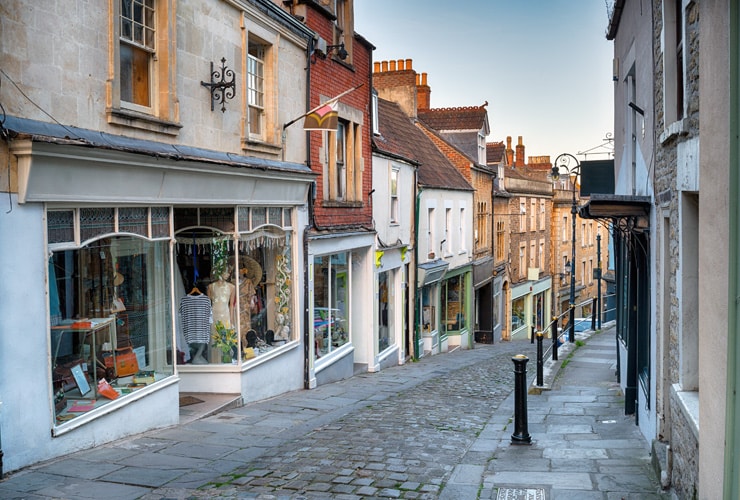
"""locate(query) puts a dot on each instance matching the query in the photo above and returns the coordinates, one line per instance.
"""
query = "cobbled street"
(410, 425)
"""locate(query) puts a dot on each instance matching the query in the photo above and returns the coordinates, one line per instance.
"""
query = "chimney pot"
(376, 67)
(384, 65)
(423, 78)
(393, 65)
(418, 79)
(400, 65)
(408, 64)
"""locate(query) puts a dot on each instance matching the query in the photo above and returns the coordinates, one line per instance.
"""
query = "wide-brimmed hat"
(117, 279)
(251, 270)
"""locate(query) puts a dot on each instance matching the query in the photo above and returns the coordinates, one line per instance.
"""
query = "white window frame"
(393, 190)
(256, 55)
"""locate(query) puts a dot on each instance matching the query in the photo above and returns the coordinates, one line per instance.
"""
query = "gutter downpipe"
(311, 191)
(417, 292)
(731, 483)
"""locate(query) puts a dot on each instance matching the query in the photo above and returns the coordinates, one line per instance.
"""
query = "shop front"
(456, 293)
(340, 337)
(530, 306)
(149, 274)
(432, 338)
(391, 271)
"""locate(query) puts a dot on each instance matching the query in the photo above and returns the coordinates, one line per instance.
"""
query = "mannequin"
(223, 299)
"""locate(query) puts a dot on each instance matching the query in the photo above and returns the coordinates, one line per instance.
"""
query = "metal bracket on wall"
(221, 89)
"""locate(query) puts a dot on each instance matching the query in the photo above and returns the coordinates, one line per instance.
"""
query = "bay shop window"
(134, 290)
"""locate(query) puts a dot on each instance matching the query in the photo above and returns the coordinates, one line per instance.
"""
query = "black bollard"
(521, 435)
(554, 335)
(540, 363)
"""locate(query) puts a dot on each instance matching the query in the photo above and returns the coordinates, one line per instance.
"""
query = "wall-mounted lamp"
(341, 51)
(222, 89)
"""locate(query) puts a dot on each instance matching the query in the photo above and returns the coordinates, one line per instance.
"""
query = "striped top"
(196, 314)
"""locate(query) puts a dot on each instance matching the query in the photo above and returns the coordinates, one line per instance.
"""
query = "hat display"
(117, 279)
(251, 270)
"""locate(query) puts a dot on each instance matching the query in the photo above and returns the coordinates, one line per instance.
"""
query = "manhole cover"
(521, 494)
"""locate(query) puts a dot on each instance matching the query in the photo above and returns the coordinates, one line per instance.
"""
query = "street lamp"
(570, 166)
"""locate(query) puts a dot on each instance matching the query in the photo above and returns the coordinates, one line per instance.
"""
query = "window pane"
(60, 226)
(160, 222)
(331, 295)
(121, 285)
(95, 222)
(385, 311)
(133, 220)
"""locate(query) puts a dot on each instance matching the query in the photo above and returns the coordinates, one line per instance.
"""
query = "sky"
(544, 66)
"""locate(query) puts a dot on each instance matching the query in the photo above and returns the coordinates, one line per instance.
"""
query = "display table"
(93, 333)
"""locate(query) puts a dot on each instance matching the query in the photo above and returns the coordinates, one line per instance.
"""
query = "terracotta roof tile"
(495, 152)
(462, 118)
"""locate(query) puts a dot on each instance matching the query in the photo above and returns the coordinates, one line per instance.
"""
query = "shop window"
(453, 312)
(428, 309)
(386, 336)
(517, 314)
(234, 295)
(331, 302)
(110, 320)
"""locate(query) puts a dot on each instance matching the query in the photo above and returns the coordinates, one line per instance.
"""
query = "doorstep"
(196, 405)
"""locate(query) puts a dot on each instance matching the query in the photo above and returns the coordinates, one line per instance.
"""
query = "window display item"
(105, 389)
(144, 377)
(80, 379)
(126, 362)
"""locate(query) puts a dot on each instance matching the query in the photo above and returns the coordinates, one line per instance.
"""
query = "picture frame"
(80, 379)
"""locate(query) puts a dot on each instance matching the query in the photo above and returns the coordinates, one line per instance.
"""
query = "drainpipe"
(731, 484)
(417, 294)
(306, 294)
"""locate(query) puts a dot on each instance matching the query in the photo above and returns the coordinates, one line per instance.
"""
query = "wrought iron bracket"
(221, 89)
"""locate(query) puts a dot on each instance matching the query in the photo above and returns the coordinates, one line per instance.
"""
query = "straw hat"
(251, 270)
(117, 279)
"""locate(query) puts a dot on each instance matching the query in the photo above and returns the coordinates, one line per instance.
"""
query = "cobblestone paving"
(404, 446)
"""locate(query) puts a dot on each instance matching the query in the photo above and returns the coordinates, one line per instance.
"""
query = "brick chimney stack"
(398, 82)
(509, 152)
(423, 92)
(519, 153)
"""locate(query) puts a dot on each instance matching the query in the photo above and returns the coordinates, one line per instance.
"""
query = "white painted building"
(131, 183)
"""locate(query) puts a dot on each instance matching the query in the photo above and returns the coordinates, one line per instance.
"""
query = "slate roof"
(461, 118)
(399, 137)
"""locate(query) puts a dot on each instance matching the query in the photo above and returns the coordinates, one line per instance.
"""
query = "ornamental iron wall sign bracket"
(221, 89)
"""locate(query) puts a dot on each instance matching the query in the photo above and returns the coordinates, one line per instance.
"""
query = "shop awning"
(58, 163)
(614, 206)
(431, 272)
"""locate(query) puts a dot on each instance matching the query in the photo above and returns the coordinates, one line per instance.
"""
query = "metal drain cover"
(521, 494)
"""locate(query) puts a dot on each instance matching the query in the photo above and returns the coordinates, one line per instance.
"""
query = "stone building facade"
(677, 201)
